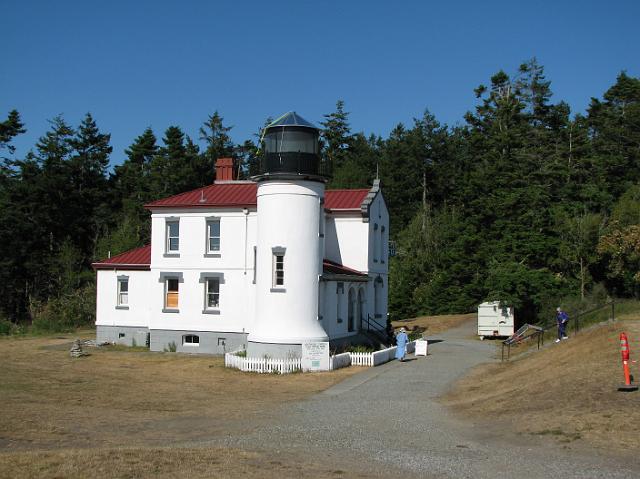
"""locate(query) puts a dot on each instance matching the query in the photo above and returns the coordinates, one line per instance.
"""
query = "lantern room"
(290, 148)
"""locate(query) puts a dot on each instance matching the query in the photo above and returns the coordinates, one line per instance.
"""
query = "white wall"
(289, 216)
(350, 241)
(139, 307)
(330, 308)
(233, 264)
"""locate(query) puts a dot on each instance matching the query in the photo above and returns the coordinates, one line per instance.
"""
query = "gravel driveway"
(386, 421)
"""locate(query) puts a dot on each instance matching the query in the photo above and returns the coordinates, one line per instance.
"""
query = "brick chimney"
(225, 170)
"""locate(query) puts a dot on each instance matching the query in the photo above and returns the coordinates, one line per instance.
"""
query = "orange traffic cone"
(624, 349)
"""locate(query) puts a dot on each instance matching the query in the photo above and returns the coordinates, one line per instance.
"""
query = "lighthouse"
(289, 250)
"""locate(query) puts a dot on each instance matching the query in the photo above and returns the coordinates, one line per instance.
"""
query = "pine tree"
(9, 129)
(336, 135)
(218, 144)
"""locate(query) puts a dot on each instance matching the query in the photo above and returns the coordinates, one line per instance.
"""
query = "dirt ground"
(434, 324)
(567, 391)
(124, 411)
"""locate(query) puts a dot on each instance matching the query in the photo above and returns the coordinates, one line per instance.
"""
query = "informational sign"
(421, 347)
(315, 356)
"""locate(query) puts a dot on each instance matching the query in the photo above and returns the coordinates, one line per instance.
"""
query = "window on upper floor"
(123, 292)
(278, 269)
(171, 293)
(383, 252)
(172, 236)
(213, 235)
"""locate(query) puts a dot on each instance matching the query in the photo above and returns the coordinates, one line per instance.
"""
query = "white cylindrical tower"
(289, 253)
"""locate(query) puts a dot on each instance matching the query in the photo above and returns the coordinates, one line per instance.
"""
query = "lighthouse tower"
(291, 184)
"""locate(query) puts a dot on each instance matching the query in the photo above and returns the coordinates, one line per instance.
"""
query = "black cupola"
(290, 148)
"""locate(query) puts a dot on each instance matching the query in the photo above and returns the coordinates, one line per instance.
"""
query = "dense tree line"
(524, 202)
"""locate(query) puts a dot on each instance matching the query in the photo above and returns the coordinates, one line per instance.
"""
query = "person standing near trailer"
(561, 319)
(401, 344)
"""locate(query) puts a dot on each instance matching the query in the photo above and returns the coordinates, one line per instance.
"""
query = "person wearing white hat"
(401, 344)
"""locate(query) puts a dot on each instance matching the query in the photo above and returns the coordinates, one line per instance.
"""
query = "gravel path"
(386, 420)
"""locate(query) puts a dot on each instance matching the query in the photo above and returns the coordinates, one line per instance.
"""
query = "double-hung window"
(213, 235)
(123, 292)
(212, 300)
(173, 237)
(171, 293)
(211, 282)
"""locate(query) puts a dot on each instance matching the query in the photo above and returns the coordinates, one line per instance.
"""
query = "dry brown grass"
(568, 390)
(80, 409)
(434, 324)
(162, 463)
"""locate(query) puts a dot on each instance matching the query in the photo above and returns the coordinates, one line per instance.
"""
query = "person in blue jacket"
(561, 319)
(401, 342)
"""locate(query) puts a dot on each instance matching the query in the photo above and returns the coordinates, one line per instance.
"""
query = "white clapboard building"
(266, 264)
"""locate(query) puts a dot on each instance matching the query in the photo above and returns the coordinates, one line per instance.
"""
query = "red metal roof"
(331, 267)
(217, 195)
(220, 195)
(138, 258)
(344, 199)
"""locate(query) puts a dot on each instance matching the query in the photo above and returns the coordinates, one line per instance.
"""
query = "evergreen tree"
(218, 144)
(10, 128)
(336, 135)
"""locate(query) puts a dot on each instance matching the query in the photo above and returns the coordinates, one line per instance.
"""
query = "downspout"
(246, 229)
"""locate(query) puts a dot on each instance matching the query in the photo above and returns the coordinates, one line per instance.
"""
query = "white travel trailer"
(495, 320)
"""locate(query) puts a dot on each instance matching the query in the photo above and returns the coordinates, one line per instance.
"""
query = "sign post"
(315, 356)
(421, 347)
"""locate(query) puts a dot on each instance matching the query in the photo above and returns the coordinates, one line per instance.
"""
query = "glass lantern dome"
(290, 147)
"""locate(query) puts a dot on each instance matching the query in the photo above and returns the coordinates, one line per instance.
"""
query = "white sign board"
(421, 347)
(315, 356)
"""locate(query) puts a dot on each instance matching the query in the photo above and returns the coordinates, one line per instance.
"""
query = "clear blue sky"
(134, 64)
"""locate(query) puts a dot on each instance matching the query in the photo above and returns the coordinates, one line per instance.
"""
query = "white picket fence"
(377, 358)
(263, 365)
(285, 366)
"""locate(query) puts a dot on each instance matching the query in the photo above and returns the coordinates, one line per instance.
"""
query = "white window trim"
(164, 278)
(207, 293)
(168, 252)
(208, 251)
(190, 345)
(119, 304)
(204, 279)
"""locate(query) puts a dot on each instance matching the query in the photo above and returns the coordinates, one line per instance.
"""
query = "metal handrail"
(550, 325)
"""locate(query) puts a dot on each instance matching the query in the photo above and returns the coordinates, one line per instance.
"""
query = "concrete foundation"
(125, 335)
(208, 342)
(274, 350)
